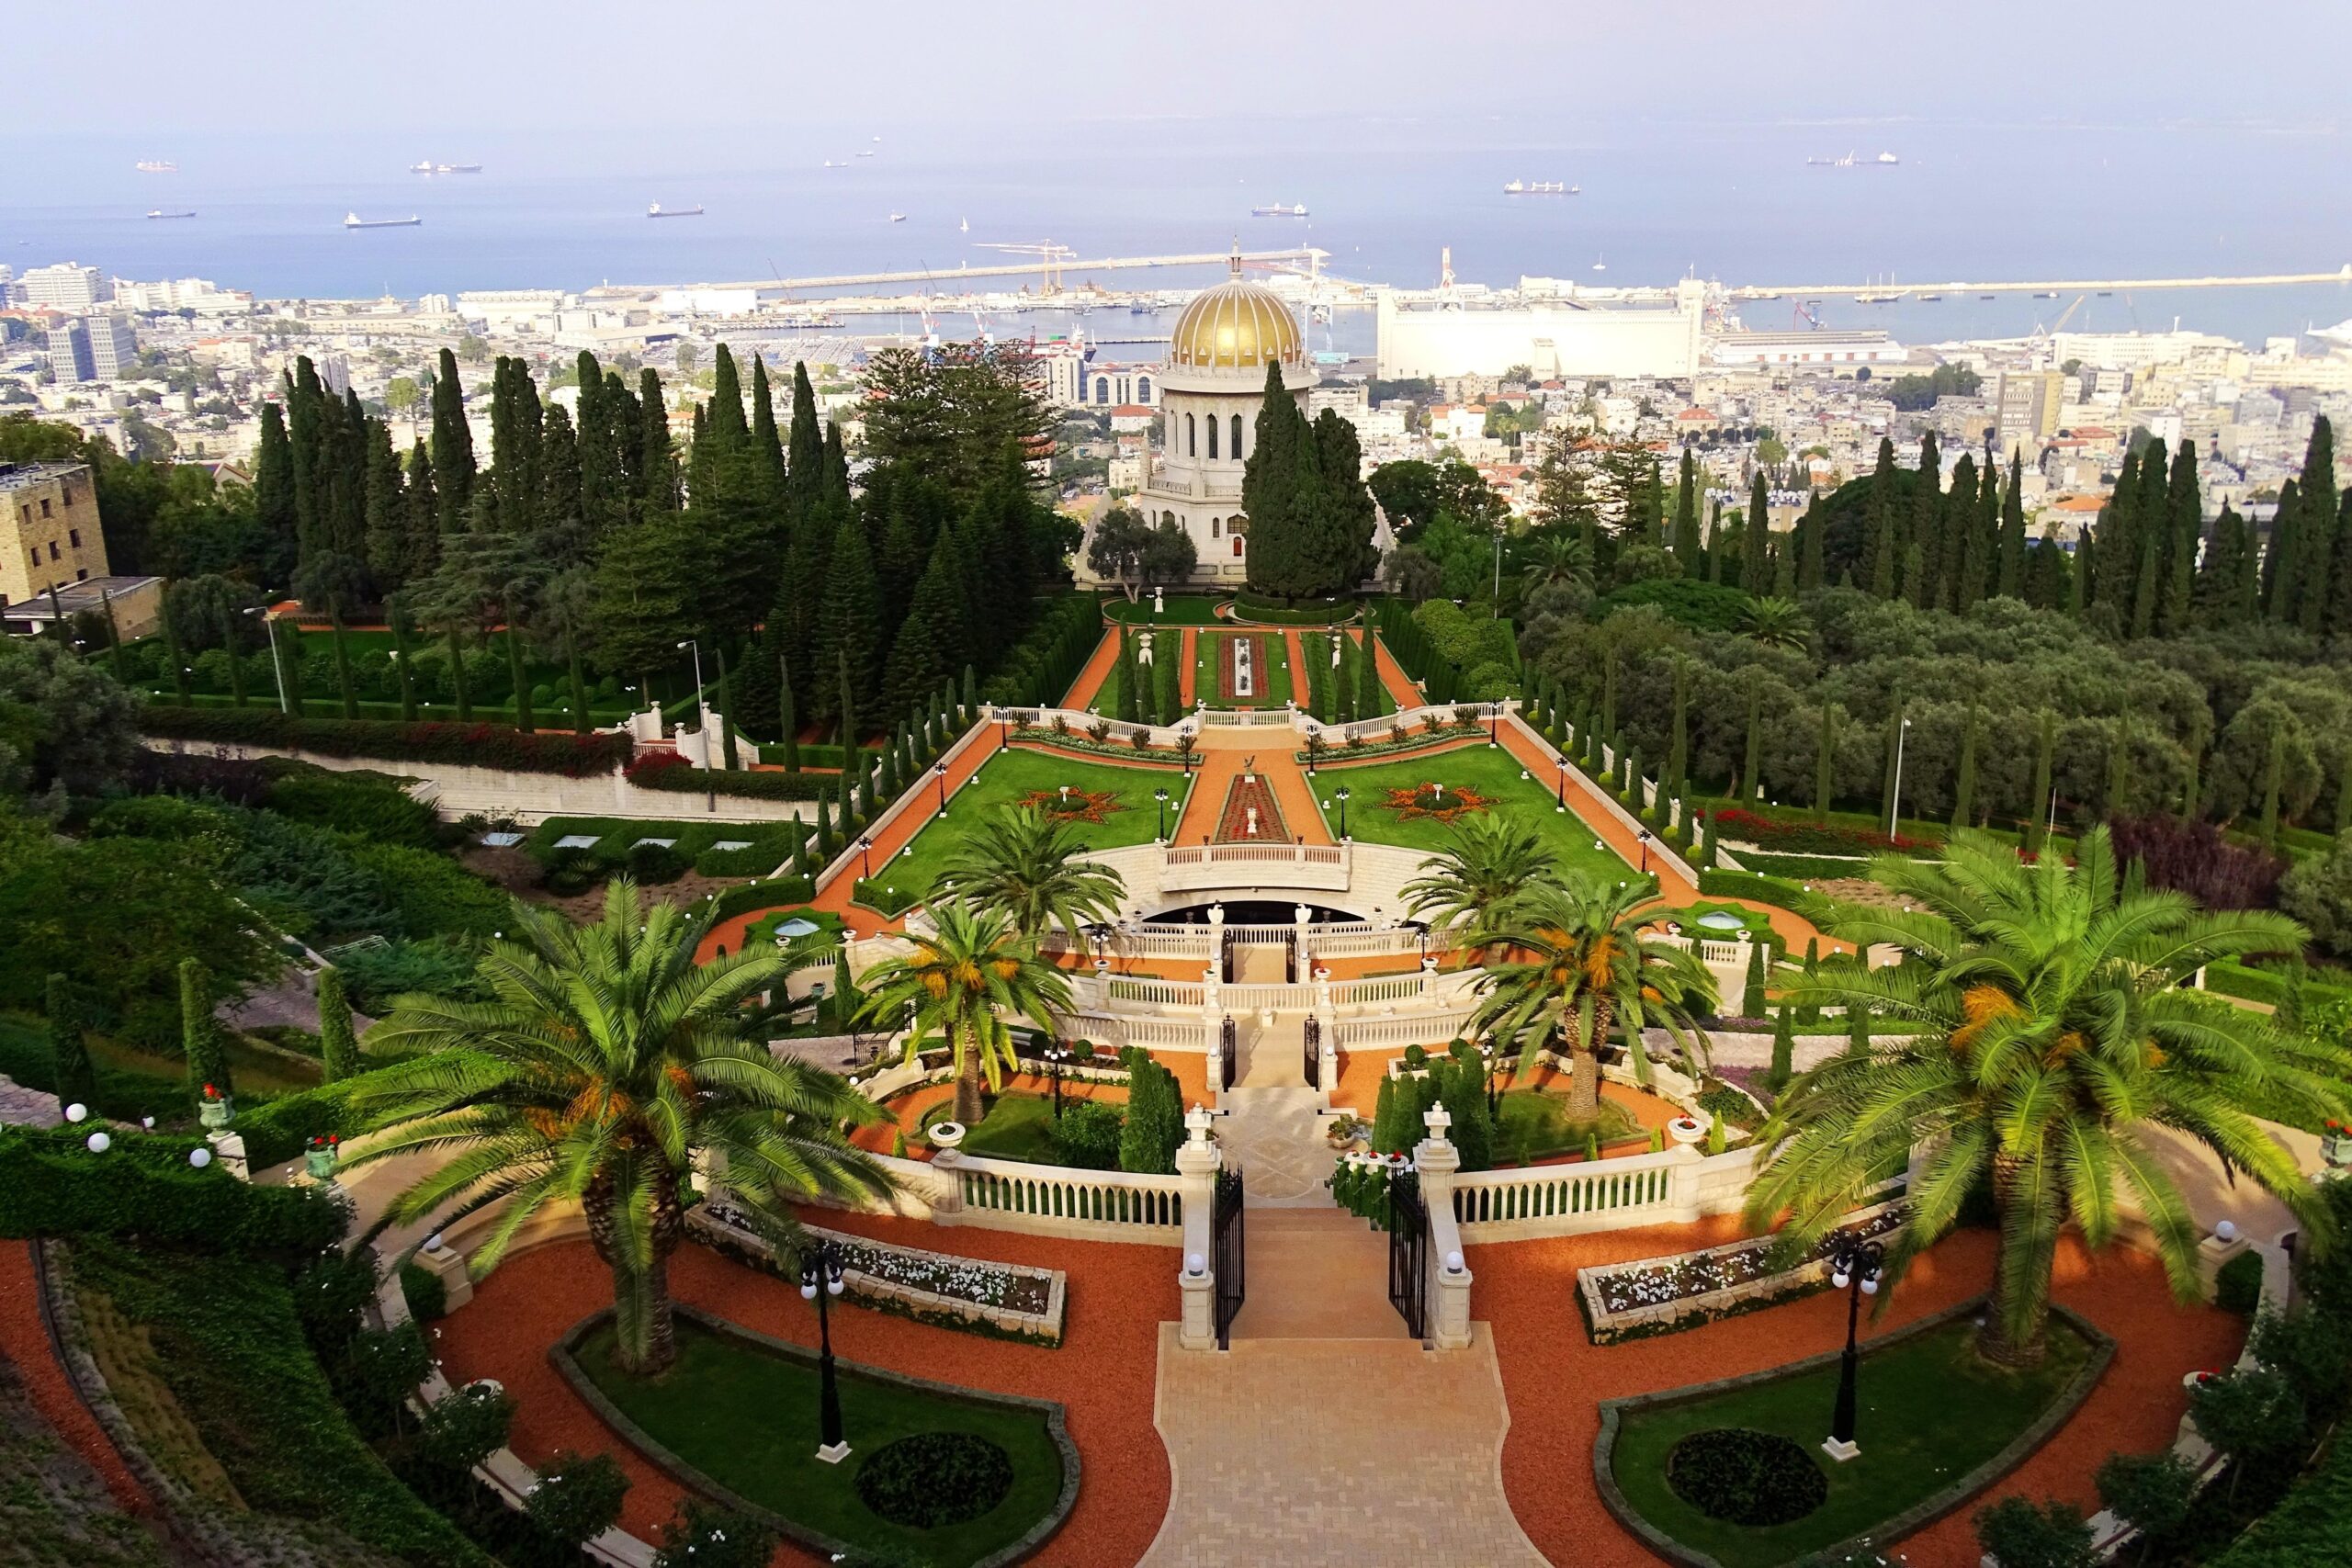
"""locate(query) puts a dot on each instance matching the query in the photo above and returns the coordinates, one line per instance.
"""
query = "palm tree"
(2057, 1034)
(1589, 964)
(1022, 864)
(1558, 559)
(1488, 860)
(963, 979)
(605, 1057)
(1776, 623)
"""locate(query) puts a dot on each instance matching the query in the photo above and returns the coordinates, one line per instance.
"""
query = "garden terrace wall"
(480, 744)
(1608, 1325)
(456, 790)
(1921, 1514)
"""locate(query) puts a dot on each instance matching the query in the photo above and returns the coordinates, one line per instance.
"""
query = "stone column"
(1302, 963)
(1428, 976)
(1197, 1164)
(947, 1191)
(1449, 1276)
(1326, 1034)
(447, 1265)
(229, 1150)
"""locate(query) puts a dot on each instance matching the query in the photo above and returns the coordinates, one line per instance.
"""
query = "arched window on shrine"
(1212, 438)
(1217, 526)
(1237, 438)
(1102, 388)
(1191, 438)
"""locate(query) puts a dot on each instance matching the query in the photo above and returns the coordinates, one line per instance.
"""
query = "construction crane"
(1050, 258)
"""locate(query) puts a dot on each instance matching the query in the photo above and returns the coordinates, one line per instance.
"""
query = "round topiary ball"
(1745, 1477)
(935, 1478)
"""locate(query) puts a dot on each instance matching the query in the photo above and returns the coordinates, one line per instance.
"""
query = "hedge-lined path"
(1185, 672)
(1294, 650)
(1392, 674)
(1355, 1453)
(1556, 1378)
(1102, 1375)
(1098, 665)
(907, 1108)
(1586, 800)
(24, 1345)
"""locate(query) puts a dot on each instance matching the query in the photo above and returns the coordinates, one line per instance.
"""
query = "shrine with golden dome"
(1210, 390)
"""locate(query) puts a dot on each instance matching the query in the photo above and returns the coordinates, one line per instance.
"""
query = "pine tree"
(931, 640)
(847, 629)
(1963, 790)
(657, 475)
(2009, 579)
(1825, 762)
(805, 467)
(846, 715)
(208, 1059)
(1958, 582)
(1784, 1051)
(453, 446)
(1810, 570)
(72, 1078)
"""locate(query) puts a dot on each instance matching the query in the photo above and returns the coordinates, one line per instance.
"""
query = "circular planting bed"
(934, 1479)
(1741, 1476)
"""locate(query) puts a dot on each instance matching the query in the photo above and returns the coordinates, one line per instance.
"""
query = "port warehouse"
(1434, 335)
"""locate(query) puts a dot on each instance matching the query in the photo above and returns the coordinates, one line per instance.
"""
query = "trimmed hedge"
(2310, 1527)
(777, 892)
(1038, 670)
(887, 900)
(667, 771)
(51, 1185)
(472, 745)
(2251, 985)
(1803, 868)
(1315, 613)
(1719, 883)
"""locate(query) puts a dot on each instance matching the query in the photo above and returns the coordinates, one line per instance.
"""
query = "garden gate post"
(229, 1148)
(1327, 1038)
(1438, 1161)
(1429, 977)
(1197, 1162)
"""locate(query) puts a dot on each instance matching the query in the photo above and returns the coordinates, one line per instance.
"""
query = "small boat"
(1929, 299)
(965, 226)
(1279, 210)
(832, 164)
(353, 220)
(424, 168)
(1599, 265)
(2106, 293)
(1538, 187)
(1878, 299)
(866, 151)
(457, 168)
(2046, 294)
(159, 212)
(1987, 296)
(1887, 159)
(156, 166)
(898, 218)
(655, 209)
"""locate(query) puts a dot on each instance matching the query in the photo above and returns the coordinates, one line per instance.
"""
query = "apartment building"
(48, 528)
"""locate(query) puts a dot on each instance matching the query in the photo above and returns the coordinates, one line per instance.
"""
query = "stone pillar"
(947, 1191)
(1326, 1034)
(1449, 1276)
(1198, 1163)
(1428, 976)
(229, 1151)
(2215, 1250)
(447, 1265)
(1302, 963)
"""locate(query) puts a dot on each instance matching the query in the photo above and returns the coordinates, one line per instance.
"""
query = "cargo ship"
(353, 220)
(655, 209)
(1541, 187)
(156, 166)
(159, 212)
(1279, 210)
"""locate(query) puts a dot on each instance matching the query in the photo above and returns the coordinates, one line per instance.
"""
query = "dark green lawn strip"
(1929, 1414)
(1017, 1126)
(747, 1419)
(1534, 1126)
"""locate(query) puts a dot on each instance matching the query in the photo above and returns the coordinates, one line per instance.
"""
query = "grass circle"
(935, 1478)
(1745, 1477)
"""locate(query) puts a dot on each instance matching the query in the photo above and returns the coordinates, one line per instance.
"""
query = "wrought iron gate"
(1314, 1052)
(1232, 1280)
(1226, 1037)
(1409, 1240)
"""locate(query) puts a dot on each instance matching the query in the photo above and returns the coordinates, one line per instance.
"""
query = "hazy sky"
(685, 66)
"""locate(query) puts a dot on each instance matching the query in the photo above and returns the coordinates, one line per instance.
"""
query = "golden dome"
(1236, 326)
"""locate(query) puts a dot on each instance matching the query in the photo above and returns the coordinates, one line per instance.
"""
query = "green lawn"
(1181, 610)
(1006, 778)
(1492, 773)
(1017, 1126)
(747, 1417)
(1929, 1413)
(1275, 690)
(1535, 1125)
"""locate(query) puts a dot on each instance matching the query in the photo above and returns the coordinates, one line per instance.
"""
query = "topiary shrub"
(935, 1478)
(428, 1299)
(1086, 1136)
(1745, 1477)
(576, 1498)
(654, 864)
(2237, 1284)
(702, 1534)
(571, 871)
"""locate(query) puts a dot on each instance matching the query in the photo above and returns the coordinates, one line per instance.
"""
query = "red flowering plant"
(211, 1092)
(650, 765)
(1813, 838)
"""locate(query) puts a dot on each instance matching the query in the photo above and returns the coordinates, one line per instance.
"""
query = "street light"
(1341, 795)
(1314, 733)
(1854, 1268)
(865, 858)
(277, 668)
(1055, 1054)
(1161, 796)
(1563, 805)
(696, 646)
(1493, 724)
(1895, 807)
(824, 1262)
(1644, 841)
(1101, 935)
(1494, 1096)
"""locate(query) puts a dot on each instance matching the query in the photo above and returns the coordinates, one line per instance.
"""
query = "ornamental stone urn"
(319, 1161)
(1686, 1130)
(946, 1134)
(216, 1113)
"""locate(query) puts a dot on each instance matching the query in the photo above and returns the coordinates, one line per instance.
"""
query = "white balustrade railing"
(1191, 867)
(1616, 1187)
(1145, 990)
(1109, 1205)
(1247, 718)
(1370, 993)
(1405, 1029)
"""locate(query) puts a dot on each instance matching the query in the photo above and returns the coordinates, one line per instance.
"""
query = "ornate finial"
(1233, 262)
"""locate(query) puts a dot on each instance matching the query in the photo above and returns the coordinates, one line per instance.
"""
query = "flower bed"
(1119, 750)
(1811, 838)
(1662, 1296)
(1009, 1300)
(476, 744)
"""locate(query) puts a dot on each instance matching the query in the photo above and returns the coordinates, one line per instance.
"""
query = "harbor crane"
(1050, 258)
(1808, 314)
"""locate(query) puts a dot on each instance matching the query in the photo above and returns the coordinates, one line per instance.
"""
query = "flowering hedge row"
(1812, 838)
(668, 771)
(472, 745)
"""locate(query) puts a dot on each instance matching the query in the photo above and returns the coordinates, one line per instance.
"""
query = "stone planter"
(2336, 1146)
(946, 1134)
(216, 1114)
(1686, 1130)
(319, 1162)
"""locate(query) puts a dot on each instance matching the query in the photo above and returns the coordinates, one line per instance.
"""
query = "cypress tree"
(1893, 752)
(767, 446)
(726, 716)
(1880, 548)
(2009, 579)
(932, 637)
(576, 679)
(1755, 547)
(1686, 547)
(824, 826)
(657, 478)
(1752, 1003)
(344, 686)
(1809, 562)
(1751, 787)
(1963, 791)
(1825, 762)
(1707, 852)
(2045, 753)
(1984, 537)
(72, 1077)
(1858, 1030)
(1130, 706)
(786, 719)
(403, 659)
(2112, 569)
(1957, 582)
(2281, 560)
(1677, 756)
(848, 620)
(805, 467)
(2273, 773)
(338, 1047)
(208, 1061)
(274, 510)
(452, 447)
(1784, 1051)
(1923, 529)
(525, 720)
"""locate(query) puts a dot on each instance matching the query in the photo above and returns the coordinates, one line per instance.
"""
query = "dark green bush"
(655, 865)
(427, 1297)
(1745, 1477)
(2237, 1284)
(468, 1425)
(2023, 1534)
(935, 1478)
(51, 1185)
(576, 1498)
(1087, 1135)
(774, 893)
(702, 1534)
(473, 745)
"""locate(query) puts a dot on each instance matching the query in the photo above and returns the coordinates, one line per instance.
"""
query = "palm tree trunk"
(646, 1340)
(968, 1108)
(2016, 1319)
(1584, 1091)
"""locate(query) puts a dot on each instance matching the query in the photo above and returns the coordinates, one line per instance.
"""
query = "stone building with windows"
(1209, 391)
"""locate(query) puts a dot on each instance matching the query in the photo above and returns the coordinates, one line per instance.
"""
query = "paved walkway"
(1355, 1453)
(1191, 667)
(1224, 754)
(1401, 689)
(1099, 666)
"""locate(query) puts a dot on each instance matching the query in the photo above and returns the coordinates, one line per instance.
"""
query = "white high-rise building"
(114, 348)
(67, 285)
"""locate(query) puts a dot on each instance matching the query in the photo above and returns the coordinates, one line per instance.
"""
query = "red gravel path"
(1102, 1375)
(1554, 1377)
(23, 1340)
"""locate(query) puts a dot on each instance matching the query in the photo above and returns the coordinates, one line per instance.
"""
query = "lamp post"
(1494, 725)
(1895, 807)
(1494, 1096)
(1424, 937)
(939, 771)
(696, 646)
(1643, 839)
(865, 858)
(1341, 795)
(275, 668)
(1853, 1269)
(822, 1264)
(1562, 805)
(1055, 1054)
(1314, 734)
(1100, 935)
(1161, 796)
